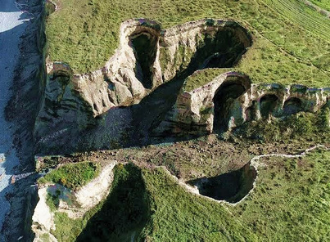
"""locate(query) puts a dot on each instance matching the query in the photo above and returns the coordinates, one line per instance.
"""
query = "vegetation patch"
(181, 216)
(290, 201)
(73, 175)
(291, 196)
(202, 77)
(303, 125)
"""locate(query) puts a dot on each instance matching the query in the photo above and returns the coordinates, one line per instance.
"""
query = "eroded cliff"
(147, 56)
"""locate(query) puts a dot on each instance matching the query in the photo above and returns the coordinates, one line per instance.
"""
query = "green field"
(290, 203)
(324, 4)
(291, 41)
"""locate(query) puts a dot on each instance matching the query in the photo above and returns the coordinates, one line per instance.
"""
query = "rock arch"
(292, 105)
(223, 100)
(267, 104)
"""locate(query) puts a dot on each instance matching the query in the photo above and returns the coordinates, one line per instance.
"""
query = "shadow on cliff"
(125, 211)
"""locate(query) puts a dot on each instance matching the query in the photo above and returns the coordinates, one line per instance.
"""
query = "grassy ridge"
(304, 125)
(291, 40)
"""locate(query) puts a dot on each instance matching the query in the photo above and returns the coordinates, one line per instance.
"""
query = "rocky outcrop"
(96, 190)
(203, 111)
(61, 106)
(43, 219)
(147, 56)
(80, 202)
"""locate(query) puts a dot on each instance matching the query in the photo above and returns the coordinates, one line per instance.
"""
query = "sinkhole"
(231, 187)
(223, 48)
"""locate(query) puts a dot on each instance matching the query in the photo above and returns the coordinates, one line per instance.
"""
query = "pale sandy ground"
(13, 22)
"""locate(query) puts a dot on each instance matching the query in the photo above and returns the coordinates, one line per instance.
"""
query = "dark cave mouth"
(223, 100)
(292, 106)
(144, 45)
(231, 187)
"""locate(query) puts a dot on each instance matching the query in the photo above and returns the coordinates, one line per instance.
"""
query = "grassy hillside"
(289, 203)
(291, 40)
(325, 4)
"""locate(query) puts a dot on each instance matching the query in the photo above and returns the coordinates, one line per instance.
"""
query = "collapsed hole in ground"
(222, 49)
(144, 45)
(231, 187)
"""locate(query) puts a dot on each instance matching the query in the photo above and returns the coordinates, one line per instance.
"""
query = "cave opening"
(222, 49)
(292, 106)
(231, 187)
(145, 49)
(223, 101)
(267, 104)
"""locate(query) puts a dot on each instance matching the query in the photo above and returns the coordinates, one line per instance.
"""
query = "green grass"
(291, 41)
(290, 203)
(313, 126)
(181, 216)
(53, 201)
(202, 77)
(324, 4)
(73, 175)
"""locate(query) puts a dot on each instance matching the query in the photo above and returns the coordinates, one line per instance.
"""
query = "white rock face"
(43, 218)
(96, 190)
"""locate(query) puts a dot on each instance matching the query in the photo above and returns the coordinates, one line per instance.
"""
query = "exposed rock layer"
(147, 56)
(194, 111)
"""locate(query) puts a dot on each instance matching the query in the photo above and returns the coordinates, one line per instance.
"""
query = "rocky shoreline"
(20, 113)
